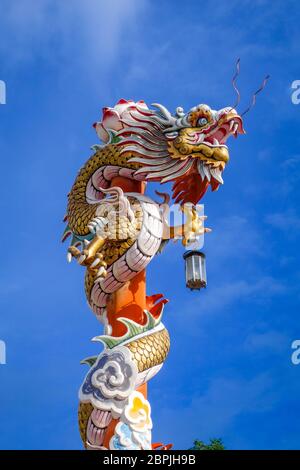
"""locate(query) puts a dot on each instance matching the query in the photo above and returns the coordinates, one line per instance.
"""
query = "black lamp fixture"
(195, 269)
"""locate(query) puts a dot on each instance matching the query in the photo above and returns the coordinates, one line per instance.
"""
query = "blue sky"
(229, 373)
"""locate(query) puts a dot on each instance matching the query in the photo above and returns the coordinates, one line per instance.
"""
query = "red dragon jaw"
(207, 147)
(188, 149)
(189, 188)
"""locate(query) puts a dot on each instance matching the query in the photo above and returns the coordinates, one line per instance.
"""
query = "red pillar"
(130, 300)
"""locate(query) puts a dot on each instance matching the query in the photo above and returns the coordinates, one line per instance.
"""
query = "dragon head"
(188, 149)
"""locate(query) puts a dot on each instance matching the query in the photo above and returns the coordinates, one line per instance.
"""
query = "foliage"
(214, 444)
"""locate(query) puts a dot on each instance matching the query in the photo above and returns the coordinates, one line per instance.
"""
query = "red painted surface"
(129, 301)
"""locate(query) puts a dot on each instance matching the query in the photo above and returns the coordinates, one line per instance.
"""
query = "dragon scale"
(116, 230)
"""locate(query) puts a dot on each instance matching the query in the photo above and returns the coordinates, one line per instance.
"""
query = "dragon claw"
(90, 256)
(98, 260)
(73, 251)
(102, 273)
(194, 226)
(95, 263)
(81, 259)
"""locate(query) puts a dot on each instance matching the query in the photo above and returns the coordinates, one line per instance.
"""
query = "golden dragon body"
(115, 235)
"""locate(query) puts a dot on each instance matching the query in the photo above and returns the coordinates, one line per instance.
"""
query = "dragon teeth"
(95, 262)
(216, 142)
(204, 171)
(235, 127)
(207, 172)
(201, 138)
(200, 170)
(216, 173)
(81, 259)
(231, 124)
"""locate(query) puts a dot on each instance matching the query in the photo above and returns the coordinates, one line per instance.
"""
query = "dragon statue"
(116, 230)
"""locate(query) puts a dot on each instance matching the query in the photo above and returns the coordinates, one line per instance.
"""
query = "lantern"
(195, 269)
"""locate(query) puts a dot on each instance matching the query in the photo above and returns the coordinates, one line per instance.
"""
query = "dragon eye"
(202, 121)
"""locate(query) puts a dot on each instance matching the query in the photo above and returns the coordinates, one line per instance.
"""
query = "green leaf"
(214, 444)
(90, 361)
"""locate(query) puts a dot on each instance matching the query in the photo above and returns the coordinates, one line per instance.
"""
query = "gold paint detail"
(182, 148)
(113, 249)
(150, 350)
(79, 211)
(194, 117)
(190, 229)
(147, 352)
(84, 412)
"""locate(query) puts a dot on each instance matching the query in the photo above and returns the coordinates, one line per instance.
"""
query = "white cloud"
(291, 163)
(211, 413)
(287, 221)
(265, 154)
(289, 177)
(235, 237)
(220, 297)
(269, 341)
(54, 29)
(227, 299)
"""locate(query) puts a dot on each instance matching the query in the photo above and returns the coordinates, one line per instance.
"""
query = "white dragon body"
(115, 234)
